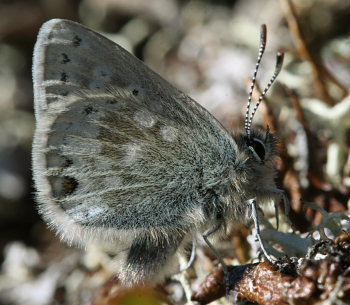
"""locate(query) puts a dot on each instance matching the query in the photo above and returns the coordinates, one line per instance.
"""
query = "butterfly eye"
(258, 148)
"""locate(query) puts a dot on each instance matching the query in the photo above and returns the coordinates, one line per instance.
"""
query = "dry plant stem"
(265, 285)
(294, 98)
(303, 51)
(314, 175)
(297, 106)
(211, 289)
(290, 176)
(261, 283)
(330, 76)
(280, 284)
(315, 178)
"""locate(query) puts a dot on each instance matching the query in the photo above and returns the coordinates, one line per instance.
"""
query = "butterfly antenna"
(279, 63)
(252, 85)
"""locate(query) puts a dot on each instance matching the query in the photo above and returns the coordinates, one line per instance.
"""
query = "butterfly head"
(262, 147)
(257, 150)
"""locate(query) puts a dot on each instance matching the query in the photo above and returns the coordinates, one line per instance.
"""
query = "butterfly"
(123, 159)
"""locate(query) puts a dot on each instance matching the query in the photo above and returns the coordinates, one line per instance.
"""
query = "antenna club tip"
(279, 61)
(280, 56)
(263, 33)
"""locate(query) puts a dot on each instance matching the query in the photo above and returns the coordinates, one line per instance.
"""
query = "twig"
(303, 51)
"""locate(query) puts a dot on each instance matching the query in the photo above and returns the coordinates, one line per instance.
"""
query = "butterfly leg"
(287, 208)
(212, 248)
(218, 256)
(252, 203)
(282, 195)
(275, 204)
(192, 257)
(184, 277)
(148, 257)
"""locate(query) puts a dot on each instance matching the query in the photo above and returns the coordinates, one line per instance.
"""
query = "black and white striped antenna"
(279, 62)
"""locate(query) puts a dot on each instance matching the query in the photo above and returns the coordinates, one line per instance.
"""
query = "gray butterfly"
(123, 159)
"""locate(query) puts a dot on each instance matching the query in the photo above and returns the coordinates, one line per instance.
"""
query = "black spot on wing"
(68, 162)
(89, 109)
(69, 185)
(112, 102)
(63, 76)
(76, 41)
(65, 58)
(63, 186)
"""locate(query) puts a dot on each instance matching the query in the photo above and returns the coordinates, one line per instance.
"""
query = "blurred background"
(207, 49)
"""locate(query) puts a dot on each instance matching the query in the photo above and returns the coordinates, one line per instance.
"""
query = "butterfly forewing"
(116, 146)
